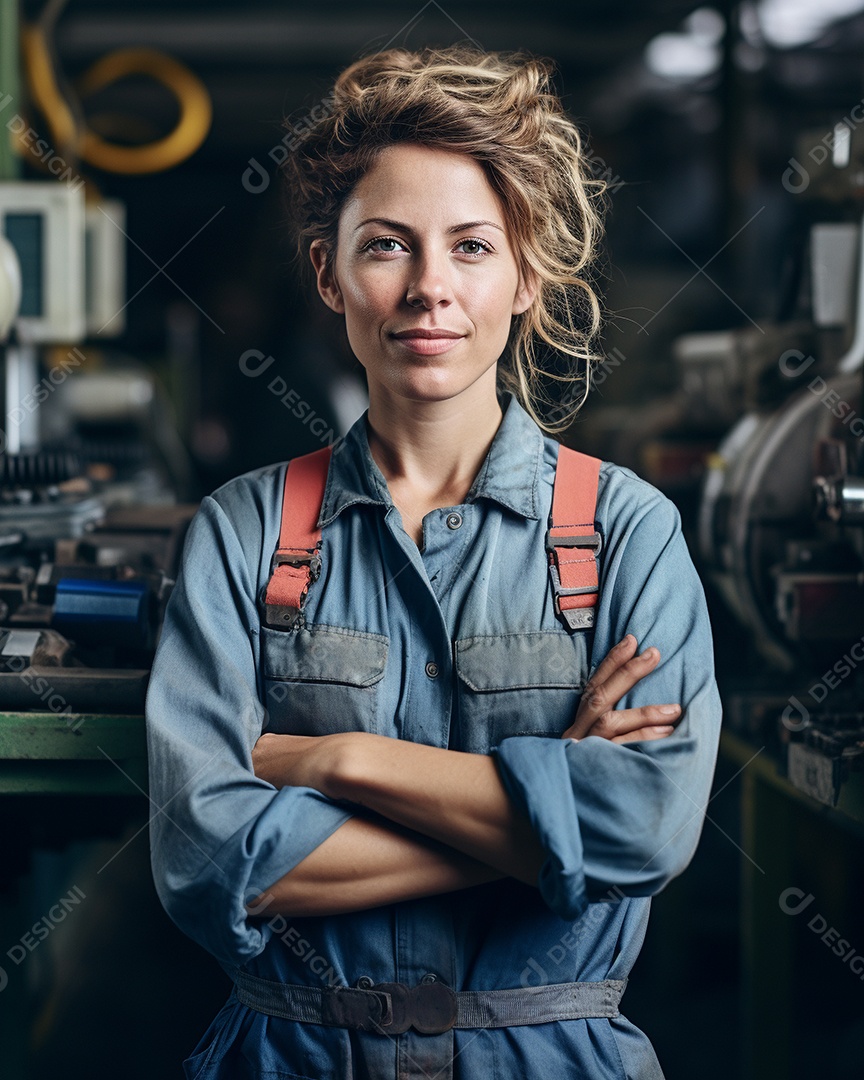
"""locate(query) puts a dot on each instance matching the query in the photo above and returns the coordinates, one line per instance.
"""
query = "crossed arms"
(446, 821)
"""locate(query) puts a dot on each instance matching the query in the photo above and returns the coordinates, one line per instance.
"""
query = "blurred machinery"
(761, 445)
(90, 461)
(89, 529)
(767, 441)
(781, 522)
(91, 469)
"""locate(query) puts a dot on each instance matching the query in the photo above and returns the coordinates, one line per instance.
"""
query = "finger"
(600, 697)
(640, 734)
(645, 734)
(619, 654)
(622, 721)
(616, 722)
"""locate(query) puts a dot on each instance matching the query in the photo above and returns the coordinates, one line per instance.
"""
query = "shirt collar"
(509, 473)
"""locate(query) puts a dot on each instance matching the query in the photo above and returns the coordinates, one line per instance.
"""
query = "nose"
(429, 283)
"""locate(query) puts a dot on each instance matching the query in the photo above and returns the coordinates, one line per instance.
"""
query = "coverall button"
(432, 669)
(454, 520)
(429, 978)
(364, 982)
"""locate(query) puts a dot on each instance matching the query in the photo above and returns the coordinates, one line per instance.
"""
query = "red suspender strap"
(296, 562)
(574, 573)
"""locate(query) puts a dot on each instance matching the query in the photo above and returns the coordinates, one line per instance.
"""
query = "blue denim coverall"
(617, 821)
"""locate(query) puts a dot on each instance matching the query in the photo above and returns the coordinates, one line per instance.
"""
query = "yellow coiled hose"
(72, 137)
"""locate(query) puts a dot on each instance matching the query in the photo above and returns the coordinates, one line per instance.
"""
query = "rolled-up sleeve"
(219, 835)
(629, 815)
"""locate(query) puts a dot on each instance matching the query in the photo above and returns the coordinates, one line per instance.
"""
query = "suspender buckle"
(287, 616)
(576, 618)
(592, 540)
(312, 558)
(580, 590)
(282, 617)
(296, 563)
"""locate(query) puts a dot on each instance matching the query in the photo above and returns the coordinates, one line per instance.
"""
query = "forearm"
(450, 796)
(364, 864)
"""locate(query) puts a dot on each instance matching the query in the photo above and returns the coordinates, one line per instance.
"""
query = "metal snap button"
(429, 978)
(454, 521)
(432, 669)
(364, 982)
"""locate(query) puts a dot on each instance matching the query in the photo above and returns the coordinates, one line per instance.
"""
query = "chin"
(431, 387)
(432, 382)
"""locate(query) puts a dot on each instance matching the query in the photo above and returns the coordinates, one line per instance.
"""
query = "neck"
(433, 448)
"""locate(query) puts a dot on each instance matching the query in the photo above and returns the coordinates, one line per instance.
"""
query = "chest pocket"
(519, 684)
(322, 679)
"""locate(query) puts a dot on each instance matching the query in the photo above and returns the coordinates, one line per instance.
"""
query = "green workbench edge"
(72, 754)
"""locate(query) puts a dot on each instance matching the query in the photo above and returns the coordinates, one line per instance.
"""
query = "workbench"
(795, 848)
(62, 778)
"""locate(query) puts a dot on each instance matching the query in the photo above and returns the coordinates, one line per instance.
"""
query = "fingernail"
(649, 653)
(627, 638)
(669, 710)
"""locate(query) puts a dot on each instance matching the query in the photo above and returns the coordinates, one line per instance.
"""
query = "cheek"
(371, 296)
(492, 301)
(493, 317)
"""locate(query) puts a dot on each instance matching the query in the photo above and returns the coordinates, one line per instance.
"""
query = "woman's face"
(422, 245)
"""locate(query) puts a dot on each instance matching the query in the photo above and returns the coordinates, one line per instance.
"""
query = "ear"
(526, 292)
(328, 287)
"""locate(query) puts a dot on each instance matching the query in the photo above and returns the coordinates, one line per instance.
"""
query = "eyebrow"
(407, 228)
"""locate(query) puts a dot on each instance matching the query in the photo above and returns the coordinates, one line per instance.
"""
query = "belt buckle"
(435, 1007)
(429, 1008)
(396, 1014)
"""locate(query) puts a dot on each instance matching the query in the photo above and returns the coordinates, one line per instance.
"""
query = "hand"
(297, 760)
(619, 671)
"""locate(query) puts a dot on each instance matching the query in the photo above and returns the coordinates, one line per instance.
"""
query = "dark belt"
(430, 1007)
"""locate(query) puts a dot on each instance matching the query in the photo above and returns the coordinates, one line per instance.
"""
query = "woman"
(431, 788)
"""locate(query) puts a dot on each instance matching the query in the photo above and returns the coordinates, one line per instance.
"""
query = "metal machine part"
(79, 617)
(822, 756)
(758, 495)
(10, 287)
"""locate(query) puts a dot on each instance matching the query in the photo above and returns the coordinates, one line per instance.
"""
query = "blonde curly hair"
(500, 109)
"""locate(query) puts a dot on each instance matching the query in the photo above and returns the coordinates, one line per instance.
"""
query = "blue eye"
(382, 240)
(481, 244)
(481, 247)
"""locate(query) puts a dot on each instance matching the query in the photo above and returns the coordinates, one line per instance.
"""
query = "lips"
(419, 332)
(428, 341)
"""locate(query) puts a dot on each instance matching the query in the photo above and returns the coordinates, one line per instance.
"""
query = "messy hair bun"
(500, 109)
